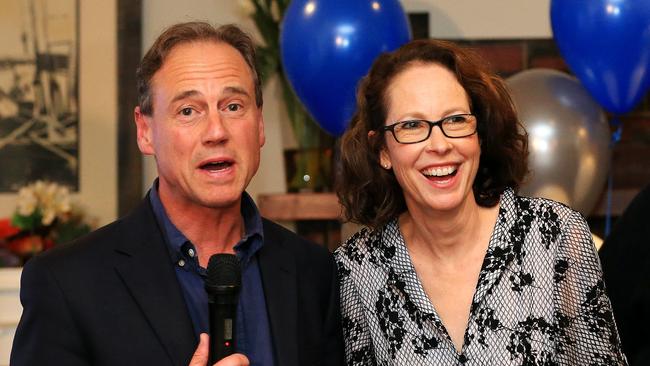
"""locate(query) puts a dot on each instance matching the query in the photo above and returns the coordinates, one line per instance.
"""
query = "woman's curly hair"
(371, 195)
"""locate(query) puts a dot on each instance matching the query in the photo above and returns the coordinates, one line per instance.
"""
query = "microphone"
(222, 285)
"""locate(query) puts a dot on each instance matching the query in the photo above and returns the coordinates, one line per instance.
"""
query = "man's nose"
(216, 130)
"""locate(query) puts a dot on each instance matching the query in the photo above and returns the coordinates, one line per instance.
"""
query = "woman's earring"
(386, 166)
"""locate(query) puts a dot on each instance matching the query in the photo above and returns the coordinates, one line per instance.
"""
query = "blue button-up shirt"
(253, 333)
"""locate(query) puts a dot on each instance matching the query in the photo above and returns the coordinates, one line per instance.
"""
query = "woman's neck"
(448, 236)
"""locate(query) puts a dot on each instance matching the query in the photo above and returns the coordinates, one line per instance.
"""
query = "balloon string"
(616, 137)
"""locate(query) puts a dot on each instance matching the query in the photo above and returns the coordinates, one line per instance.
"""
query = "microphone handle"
(222, 330)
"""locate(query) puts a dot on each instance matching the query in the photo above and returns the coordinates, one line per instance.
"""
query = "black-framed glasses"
(418, 130)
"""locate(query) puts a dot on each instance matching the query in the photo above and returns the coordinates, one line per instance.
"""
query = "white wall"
(477, 19)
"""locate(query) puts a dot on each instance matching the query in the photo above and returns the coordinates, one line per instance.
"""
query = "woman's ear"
(384, 159)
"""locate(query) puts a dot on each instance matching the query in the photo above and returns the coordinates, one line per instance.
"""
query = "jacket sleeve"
(334, 337)
(47, 333)
(356, 333)
(584, 314)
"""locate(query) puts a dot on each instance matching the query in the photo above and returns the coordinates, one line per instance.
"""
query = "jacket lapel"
(147, 271)
(278, 268)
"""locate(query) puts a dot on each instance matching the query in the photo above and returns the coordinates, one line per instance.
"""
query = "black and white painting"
(39, 103)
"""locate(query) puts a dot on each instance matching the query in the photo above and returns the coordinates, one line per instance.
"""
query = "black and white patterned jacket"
(540, 297)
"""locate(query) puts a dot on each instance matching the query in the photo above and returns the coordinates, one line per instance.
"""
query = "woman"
(454, 267)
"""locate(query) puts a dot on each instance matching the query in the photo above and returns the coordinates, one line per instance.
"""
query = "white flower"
(51, 199)
(48, 216)
(63, 205)
(38, 186)
(27, 201)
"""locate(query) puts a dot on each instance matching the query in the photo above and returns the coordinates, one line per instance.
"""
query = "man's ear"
(142, 124)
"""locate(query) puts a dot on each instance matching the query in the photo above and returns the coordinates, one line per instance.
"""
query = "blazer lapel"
(278, 268)
(148, 273)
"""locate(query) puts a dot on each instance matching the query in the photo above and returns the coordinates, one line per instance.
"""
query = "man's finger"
(200, 357)
(236, 359)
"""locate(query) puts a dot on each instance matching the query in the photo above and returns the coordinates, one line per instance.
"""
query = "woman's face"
(436, 173)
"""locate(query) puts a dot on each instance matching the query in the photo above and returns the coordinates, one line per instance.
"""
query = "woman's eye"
(411, 125)
(457, 119)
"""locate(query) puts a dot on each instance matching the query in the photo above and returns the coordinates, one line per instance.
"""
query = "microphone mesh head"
(223, 270)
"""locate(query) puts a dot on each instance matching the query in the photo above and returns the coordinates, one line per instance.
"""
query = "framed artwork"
(66, 100)
(39, 93)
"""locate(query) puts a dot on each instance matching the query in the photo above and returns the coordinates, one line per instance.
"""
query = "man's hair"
(370, 194)
(187, 33)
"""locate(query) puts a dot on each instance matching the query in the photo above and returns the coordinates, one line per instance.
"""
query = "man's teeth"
(216, 165)
(440, 171)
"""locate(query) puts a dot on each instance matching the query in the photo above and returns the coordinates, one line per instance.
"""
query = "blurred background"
(67, 93)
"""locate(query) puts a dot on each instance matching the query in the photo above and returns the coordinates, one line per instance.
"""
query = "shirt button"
(190, 252)
(181, 262)
(462, 359)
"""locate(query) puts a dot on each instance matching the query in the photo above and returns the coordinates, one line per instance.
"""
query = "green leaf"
(267, 26)
(282, 5)
(69, 231)
(305, 129)
(267, 63)
(28, 223)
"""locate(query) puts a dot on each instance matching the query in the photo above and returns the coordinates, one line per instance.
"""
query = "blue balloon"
(607, 45)
(328, 45)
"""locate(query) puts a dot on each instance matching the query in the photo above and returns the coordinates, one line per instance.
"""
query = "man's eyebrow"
(235, 90)
(185, 94)
(226, 90)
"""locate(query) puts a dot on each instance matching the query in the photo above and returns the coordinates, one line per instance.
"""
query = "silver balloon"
(568, 138)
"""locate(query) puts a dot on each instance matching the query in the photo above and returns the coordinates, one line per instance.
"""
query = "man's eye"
(187, 111)
(233, 107)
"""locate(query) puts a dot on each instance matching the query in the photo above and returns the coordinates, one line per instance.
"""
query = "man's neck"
(211, 230)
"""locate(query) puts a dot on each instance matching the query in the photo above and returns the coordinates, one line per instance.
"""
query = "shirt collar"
(253, 239)
(251, 242)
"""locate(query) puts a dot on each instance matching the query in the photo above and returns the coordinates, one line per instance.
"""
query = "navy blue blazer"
(112, 298)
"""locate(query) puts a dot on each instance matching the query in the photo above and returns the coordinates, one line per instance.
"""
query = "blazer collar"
(278, 268)
(146, 269)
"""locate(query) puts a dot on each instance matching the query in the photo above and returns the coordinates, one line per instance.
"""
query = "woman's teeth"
(439, 171)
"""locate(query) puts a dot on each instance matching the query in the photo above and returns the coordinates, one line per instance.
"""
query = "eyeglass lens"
(419, 130)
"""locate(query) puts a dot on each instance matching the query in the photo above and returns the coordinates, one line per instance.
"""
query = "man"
(131, 293)
(625, 256)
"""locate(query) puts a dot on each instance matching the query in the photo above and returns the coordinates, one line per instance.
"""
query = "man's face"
(205, 130)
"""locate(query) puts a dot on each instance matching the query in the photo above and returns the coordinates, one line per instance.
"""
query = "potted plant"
(309, 167)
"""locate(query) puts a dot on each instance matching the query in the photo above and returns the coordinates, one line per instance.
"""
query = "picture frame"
(109, 50)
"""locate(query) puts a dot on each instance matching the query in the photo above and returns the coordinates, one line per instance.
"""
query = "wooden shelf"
(325, 206)
(300, 206)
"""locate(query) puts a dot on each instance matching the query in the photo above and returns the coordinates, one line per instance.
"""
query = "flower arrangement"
(44, 216)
